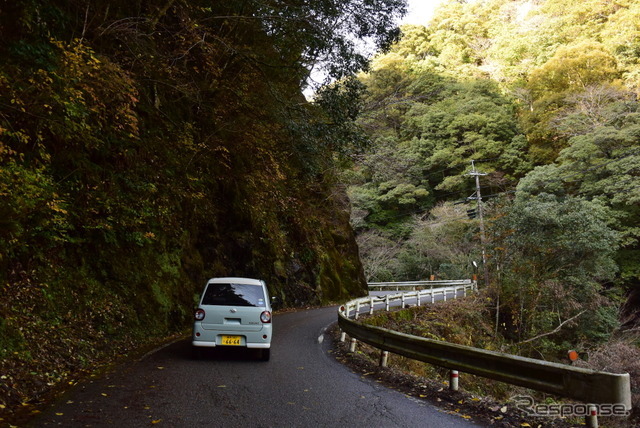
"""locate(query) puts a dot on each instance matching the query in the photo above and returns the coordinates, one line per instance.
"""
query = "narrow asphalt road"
(301, 386)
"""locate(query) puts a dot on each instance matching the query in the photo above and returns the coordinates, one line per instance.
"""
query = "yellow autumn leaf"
(156, 421)
(524, 424)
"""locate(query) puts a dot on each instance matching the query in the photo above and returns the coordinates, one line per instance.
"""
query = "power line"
(624, 155)
(593, 168)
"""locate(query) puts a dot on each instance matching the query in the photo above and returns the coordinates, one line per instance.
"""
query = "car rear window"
(234, 295)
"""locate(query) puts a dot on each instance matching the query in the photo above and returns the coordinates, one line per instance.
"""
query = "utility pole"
(483, 239)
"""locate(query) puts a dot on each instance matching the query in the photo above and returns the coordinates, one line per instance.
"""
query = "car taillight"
(199, 315)
(265, 317)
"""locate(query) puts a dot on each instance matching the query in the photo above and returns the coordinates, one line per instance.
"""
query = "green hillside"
(541, 98)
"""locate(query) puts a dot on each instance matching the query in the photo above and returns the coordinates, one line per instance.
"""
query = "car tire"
(196, 353)
(265, 354)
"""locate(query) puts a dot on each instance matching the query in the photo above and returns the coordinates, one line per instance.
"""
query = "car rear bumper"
(203, 344)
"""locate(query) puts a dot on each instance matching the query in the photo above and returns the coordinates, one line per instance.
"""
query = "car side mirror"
(275, 303)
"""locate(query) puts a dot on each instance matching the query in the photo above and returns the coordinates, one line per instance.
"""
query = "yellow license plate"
(231, 340)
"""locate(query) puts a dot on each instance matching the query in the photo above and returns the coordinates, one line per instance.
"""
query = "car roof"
(235, 280)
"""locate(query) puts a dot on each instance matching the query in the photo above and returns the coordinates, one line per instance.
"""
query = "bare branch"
(555, 330)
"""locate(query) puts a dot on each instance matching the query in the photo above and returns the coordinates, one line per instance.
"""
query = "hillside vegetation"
(541, 98)
(146, 146)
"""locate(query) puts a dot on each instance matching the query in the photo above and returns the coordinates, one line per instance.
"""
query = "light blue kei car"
(234, 312)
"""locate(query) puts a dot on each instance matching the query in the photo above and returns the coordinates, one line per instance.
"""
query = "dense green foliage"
(543, 97)
(148, 145)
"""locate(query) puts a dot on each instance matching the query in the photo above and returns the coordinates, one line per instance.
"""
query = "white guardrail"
(590, 386)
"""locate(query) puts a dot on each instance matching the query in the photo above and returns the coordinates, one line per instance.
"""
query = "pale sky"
(420, 11)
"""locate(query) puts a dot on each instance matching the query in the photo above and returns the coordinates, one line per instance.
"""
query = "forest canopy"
(541, 99)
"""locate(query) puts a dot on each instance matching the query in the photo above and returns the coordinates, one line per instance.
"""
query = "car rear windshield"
(233, 295)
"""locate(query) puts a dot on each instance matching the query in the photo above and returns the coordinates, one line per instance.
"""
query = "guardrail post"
(418, 297)
(403, 303)
(352, 347)
(357, 309)
(433, 299)
(384, 358)
(592, 417)
(464, 292)
(444, 295)
(453, 380)
(343, 336)
(371, 306)
(386, 303)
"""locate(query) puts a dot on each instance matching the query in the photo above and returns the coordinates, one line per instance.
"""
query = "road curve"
(301, 386)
